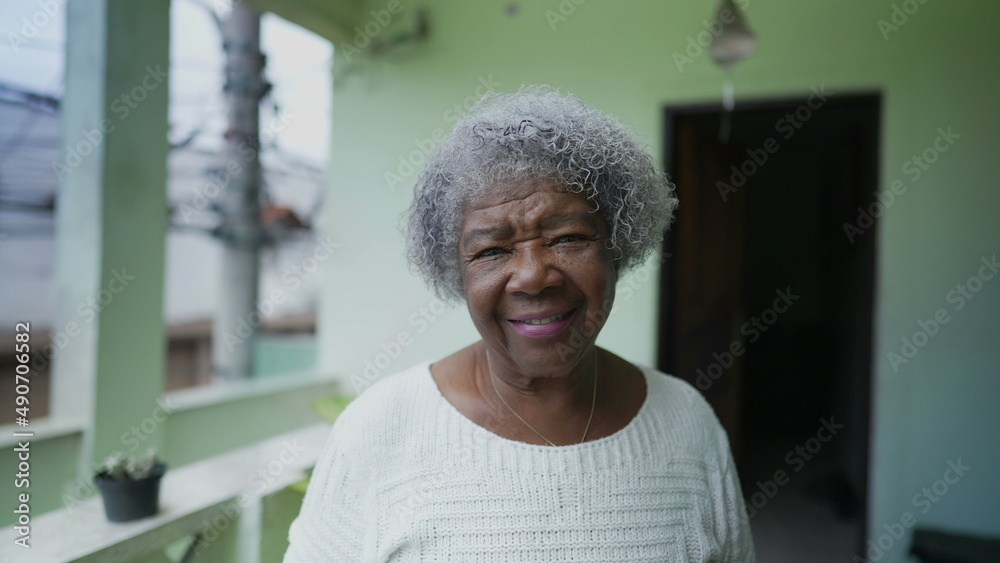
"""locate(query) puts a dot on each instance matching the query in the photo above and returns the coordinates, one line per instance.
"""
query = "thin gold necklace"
(593, 402)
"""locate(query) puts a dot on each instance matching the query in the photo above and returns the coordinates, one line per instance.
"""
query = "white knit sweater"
(405, 477)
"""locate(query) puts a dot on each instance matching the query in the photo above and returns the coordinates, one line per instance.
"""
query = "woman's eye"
(489, 252)
(569, 238)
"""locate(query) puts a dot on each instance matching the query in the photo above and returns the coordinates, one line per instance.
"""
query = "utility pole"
(237, 317)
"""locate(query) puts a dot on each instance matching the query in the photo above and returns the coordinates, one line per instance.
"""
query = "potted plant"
(130, 486)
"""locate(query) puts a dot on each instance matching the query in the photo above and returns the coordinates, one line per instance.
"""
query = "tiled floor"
(794, 526)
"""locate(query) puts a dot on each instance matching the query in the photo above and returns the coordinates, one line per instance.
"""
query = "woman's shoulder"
(681, 409)
(393, 386)
(384, 405)
(674, 389)
(663, 390)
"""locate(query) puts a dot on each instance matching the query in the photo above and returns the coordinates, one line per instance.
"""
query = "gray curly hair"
(533, 134)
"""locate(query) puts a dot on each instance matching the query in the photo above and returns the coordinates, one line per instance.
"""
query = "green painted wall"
(198, 433)
(277, 514)
(53, 470)
(188, 435)
(937, 70)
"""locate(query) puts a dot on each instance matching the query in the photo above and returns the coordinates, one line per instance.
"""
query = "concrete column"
(237, 319)
(111, 222)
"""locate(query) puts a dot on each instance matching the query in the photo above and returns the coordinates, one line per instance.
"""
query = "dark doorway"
(766, 305)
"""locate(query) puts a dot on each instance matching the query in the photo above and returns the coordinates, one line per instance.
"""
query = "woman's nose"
(533, 270)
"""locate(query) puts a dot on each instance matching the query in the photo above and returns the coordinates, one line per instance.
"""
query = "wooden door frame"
(672, 111)
(872, 99)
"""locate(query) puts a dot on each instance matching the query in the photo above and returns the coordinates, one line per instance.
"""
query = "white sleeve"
(733, 524)
(737, 540)
(330, 525)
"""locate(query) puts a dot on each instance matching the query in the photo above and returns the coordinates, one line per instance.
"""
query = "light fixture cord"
(728, 104)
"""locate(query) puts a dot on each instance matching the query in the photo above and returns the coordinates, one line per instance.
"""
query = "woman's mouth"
(542, 327)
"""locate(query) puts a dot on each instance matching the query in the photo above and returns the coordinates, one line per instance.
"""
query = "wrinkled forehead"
(527, 207)
(509, 191)
(525, 203)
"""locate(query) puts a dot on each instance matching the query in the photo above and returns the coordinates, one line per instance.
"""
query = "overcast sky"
(298, 64)
(31, 58)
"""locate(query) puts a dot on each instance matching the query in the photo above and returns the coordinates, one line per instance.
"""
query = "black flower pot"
(126, 500)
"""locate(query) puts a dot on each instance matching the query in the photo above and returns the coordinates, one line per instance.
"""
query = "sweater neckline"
(621, 434)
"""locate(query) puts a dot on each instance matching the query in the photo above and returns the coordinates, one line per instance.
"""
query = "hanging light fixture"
(734, 43)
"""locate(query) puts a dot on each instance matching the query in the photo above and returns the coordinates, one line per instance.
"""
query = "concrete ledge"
(50, 427)
(226, 391)
(193, 498)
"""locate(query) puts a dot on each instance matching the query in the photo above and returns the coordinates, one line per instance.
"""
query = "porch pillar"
(111, 221)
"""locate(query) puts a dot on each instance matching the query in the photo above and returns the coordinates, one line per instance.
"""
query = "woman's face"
(537, 276)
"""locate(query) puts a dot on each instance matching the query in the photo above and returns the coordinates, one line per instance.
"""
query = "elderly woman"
(533, 444)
